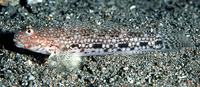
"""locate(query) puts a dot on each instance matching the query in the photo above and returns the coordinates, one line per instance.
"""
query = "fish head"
(34, 40)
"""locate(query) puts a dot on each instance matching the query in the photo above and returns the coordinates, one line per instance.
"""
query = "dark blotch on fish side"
(97, 46)
(106, 50)
(119, 50)
(143, 43)
(74, 45)
(158, 42)
(123, 45)
(132, 48)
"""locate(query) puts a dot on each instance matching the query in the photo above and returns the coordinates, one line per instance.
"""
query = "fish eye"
(29, 31)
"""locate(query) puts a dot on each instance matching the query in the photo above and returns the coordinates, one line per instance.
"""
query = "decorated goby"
(86, 40)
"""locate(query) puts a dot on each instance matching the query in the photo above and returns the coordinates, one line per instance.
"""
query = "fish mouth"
(18, 43)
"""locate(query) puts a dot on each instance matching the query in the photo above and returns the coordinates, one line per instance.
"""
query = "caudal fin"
(176, 41)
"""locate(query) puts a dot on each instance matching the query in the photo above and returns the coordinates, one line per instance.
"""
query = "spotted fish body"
(86, 40)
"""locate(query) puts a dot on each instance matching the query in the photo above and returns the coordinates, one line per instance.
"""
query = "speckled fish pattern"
(88, 40)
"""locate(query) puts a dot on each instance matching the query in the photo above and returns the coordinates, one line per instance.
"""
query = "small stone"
(33, 1)
(125, 68)
(132, 7)
(31, 77)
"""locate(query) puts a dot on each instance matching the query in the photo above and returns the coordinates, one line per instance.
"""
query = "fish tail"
(176, 41)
